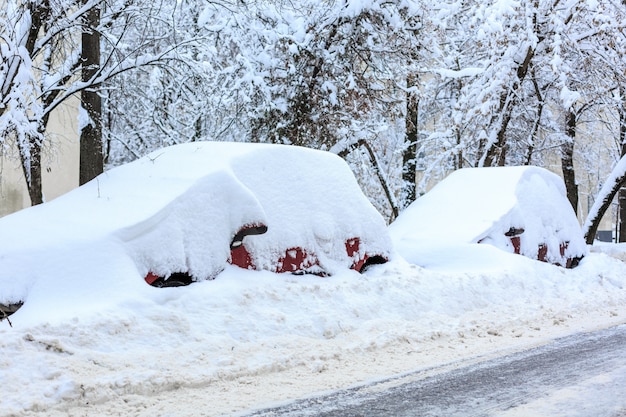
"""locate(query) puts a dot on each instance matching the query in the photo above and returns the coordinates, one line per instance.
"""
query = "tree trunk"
(532, 136)
(567, 160)
(496, 153)
(30, 151)
(409, 156)
(91, 149)
(621, 202)
(31, 167)
(395, 209)
(622, 192)
(603, 202)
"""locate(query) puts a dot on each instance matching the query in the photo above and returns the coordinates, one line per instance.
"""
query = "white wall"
(59, 164)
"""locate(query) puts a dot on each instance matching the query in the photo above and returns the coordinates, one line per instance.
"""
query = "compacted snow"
(94, 339)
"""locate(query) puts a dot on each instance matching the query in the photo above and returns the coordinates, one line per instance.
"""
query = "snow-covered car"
(522, 210)
(181, 214)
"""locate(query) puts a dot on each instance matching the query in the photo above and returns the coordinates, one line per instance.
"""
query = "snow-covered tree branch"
(41, 63)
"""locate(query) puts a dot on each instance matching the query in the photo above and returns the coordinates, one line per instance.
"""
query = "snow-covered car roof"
(490, 205)
(178, 209)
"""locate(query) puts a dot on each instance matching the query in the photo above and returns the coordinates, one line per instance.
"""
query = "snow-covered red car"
(291, 209)
(522, 210)
(183, 213)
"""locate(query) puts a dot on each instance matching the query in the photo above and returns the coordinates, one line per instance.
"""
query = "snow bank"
(94, 339)
(211, 348)
(492, 205)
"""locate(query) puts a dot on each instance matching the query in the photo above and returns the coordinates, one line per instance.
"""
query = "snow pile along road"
(248, 339)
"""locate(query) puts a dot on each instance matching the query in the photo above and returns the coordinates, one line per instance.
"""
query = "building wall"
(59, 163)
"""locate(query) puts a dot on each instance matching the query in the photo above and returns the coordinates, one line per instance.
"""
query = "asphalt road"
(488, 388)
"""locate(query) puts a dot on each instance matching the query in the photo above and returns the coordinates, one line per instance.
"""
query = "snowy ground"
(251, 339)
